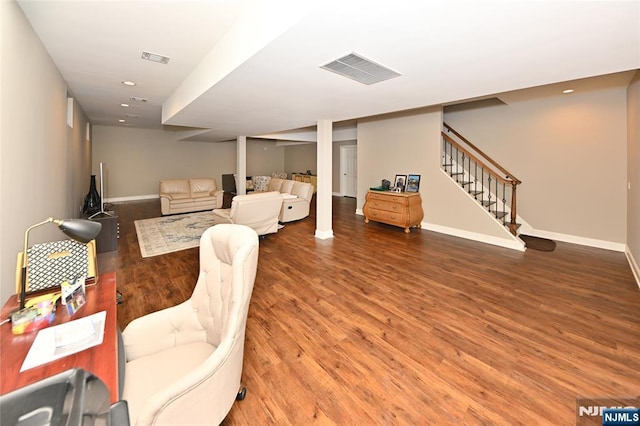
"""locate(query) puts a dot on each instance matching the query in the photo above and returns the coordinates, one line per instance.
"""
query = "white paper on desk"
(76, 335)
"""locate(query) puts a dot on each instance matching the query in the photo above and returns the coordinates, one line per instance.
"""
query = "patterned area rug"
(167, 234)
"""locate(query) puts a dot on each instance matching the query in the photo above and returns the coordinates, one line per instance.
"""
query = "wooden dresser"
(403, 209)
(312, 179)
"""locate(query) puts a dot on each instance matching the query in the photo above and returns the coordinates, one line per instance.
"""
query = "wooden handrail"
(508, 180)
(491, 160)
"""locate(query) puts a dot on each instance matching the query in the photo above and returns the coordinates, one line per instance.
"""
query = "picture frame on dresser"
(400, 181)
(413, 183)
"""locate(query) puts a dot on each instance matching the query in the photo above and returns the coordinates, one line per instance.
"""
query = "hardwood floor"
(376, 326)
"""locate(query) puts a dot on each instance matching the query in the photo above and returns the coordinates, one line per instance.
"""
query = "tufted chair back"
(184, 363)
(227, 271)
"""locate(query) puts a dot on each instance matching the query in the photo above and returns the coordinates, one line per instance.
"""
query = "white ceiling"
(252, 67)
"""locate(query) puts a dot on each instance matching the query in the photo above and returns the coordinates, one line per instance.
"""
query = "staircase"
(490, 184)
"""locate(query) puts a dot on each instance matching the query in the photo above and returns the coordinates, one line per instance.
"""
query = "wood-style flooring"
(376, 326)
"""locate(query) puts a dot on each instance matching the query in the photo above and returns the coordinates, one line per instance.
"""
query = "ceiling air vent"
(154, 57)
(138, 99)
(360, 69)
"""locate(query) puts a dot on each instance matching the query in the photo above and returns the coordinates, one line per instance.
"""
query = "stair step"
(499, 215)
(456, 173)
(487, 203)
(464, 183)
(476, 193)
(447, 165)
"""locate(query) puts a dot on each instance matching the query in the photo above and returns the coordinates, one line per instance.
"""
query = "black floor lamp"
(81, 230)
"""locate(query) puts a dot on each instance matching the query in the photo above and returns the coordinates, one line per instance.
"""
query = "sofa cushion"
(275, 184)
(174, 186)
(181, 201)
(204, 199)
(142, 378)
(287, 186)
(202, 187)
(302, 190)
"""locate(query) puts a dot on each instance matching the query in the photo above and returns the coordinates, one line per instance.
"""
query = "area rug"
(537, 243)
(168, 234)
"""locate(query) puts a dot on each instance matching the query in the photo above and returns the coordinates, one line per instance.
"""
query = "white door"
(349, 170)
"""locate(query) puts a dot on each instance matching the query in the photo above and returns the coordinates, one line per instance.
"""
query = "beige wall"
(44, 164)
(633, 173)
(137, 159)
(570, 153)
(410, 144)
(300, 158)
(264, 158)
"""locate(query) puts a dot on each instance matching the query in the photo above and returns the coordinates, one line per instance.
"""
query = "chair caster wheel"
(242, 393)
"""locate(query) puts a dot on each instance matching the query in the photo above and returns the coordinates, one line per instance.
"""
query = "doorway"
(349, 170)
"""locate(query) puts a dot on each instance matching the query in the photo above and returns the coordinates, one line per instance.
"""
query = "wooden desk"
(101, 360)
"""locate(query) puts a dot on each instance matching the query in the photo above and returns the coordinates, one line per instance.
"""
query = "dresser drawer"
(386, 197)
(392, 218)
(387, 205)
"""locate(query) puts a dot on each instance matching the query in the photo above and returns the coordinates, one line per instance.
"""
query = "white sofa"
(296, 203)
(258, 210)
(189, 195)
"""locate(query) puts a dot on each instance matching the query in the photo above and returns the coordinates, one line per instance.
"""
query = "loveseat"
(189, 195)
(296, 203)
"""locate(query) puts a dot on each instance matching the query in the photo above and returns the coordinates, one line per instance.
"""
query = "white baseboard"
(590, 242)
(634, 265)
(324, 235)
(132, 198)
(474, 236)
(514, 244)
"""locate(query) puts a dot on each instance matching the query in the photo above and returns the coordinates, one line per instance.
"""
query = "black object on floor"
(537, 243)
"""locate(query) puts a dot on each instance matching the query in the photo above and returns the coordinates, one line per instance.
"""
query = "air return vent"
(360, 69)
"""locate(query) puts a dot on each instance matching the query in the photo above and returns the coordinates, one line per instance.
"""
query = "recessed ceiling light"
(128, 83)
(154, 57)
(138, 99)
(125, 105)
(121, 121)
(567, 91)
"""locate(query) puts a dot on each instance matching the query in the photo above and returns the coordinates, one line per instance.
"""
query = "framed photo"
(413, 183)
(400, 182)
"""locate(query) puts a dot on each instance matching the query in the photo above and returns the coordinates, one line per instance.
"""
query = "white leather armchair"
(184, 363)
(297, 199)
(258, 210)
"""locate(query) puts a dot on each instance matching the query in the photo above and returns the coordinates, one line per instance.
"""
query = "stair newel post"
(513, 227)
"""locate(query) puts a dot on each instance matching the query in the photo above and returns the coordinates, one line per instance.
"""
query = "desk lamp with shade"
(81, 230)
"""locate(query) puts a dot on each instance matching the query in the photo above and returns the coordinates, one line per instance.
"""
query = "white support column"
(324, 207)
(241, 167)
